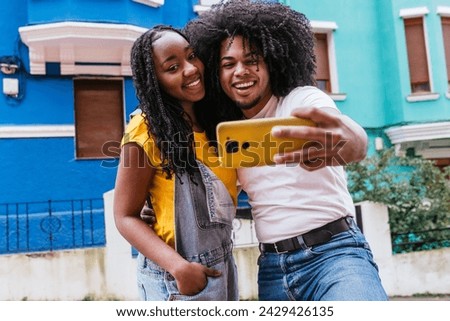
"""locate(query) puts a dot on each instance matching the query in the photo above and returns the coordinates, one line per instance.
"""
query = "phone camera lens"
(232, 146)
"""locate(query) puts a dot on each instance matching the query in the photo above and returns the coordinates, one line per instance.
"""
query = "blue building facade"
(56, 56)
(47, 38)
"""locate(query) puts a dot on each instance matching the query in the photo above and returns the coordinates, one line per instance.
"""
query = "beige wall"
(61, 275)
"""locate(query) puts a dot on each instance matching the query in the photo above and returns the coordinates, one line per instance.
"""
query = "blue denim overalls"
(204, 212)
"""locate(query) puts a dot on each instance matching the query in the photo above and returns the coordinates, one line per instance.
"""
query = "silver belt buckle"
(276, 249)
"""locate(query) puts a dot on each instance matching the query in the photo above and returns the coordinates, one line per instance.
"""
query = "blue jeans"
(339, 270)
(204, 213)
(156, 284)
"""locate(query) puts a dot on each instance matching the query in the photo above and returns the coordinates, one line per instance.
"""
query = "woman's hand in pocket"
(192, 277)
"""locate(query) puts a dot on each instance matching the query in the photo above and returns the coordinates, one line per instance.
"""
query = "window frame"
(319, 36)
(328, 28)
(120, 118)
(444, 12)
(414, 13)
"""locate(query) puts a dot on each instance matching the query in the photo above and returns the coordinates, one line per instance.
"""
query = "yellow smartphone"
(249, 143)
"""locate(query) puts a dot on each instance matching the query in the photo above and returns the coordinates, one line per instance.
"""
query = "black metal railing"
(420, 240)
(51, 225)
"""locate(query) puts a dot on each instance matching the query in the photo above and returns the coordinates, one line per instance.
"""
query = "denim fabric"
(339, 270)
(204, 213)
(219, 202)
(156, 284)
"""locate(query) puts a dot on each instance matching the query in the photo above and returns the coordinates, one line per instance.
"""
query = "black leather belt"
(314, 237)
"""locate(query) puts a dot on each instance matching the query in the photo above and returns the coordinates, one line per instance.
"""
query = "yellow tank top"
(162, 189)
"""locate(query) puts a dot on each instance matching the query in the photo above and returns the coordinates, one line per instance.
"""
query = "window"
(99, 120)
(446, 34)
(326, 68)
(322, 62)
(417, 55)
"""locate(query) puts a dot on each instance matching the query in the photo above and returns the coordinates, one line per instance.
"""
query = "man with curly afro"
(259, 60)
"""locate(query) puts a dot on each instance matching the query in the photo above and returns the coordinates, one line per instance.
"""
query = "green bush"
(416, 192)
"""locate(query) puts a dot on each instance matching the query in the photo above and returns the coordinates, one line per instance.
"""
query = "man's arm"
(337, 140)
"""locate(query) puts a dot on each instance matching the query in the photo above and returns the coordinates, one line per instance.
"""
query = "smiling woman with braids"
(187, 255)
(259, 59)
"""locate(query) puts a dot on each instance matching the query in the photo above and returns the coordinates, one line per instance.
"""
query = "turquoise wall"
(372, 60)
(357, 54)
(426, 111)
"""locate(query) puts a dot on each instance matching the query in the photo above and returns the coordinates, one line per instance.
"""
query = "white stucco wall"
(404, 274)
(109, 272)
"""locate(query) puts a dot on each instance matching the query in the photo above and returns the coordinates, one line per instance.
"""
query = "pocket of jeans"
(196, 297)
(213, 291)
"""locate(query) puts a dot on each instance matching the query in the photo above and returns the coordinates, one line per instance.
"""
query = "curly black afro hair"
(282, 35)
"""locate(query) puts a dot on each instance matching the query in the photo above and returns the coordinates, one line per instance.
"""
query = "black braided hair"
(282, 35)
(164, 116)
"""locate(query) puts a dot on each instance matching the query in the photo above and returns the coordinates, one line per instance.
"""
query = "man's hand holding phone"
(336, 140)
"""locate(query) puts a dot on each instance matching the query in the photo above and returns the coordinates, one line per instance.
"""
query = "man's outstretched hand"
(336, 141)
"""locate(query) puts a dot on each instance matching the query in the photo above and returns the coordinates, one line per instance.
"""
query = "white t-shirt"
(287, 200)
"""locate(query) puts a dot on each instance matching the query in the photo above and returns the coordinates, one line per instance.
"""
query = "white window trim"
(429, 140)
(199, 9)
(37, 131)
(151, 3)
(414, 12)
(105, 47)
(204, 5)
(323, 26)
(422, 97)
(418, 132)
(443, 11)
(338, 97)
(427, 149)
(209, 2)
(329, 27)
(420, 12)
